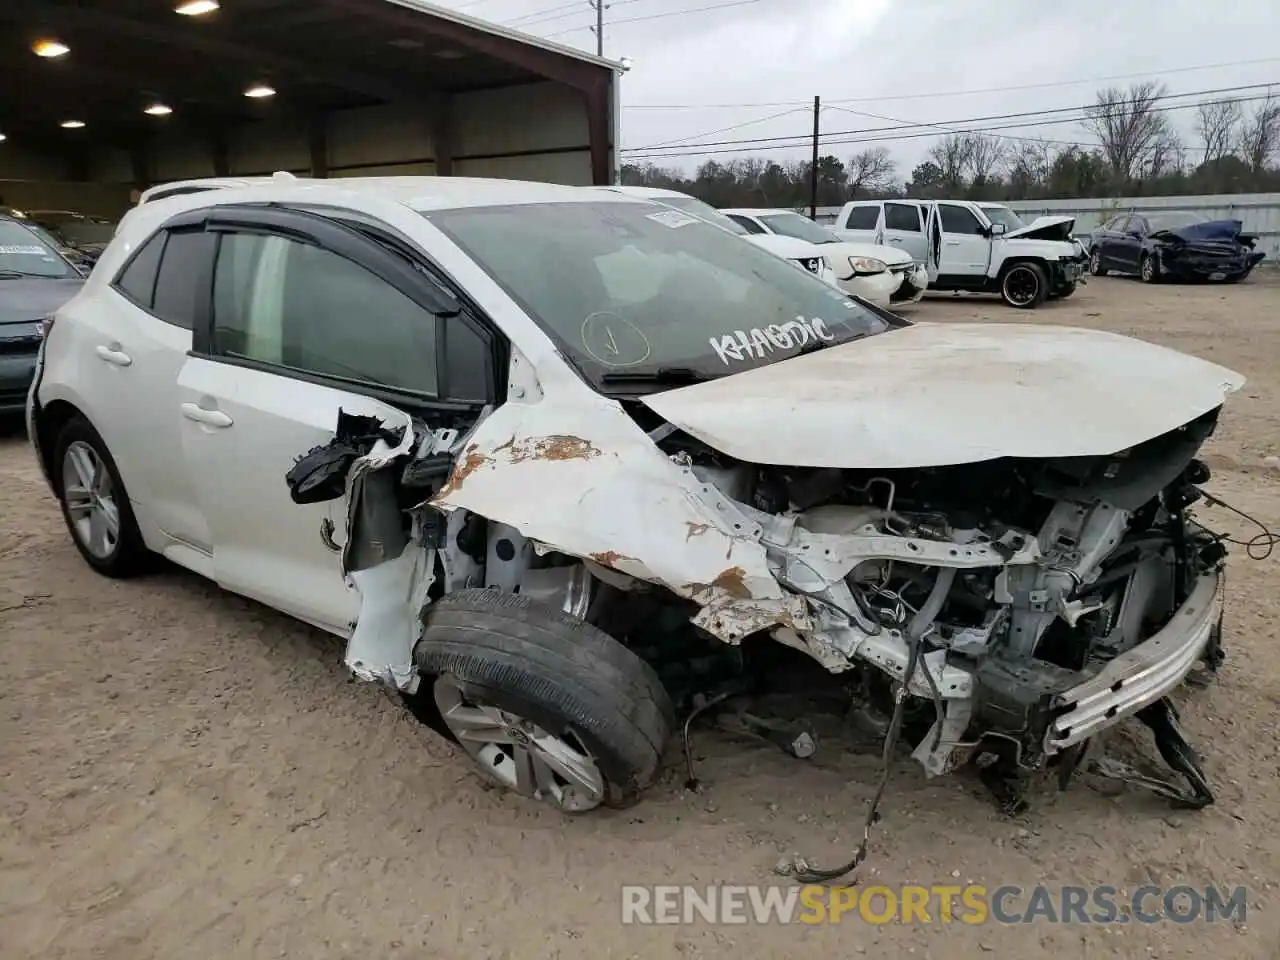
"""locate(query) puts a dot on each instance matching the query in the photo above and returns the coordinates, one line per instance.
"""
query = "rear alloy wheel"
(94, 503)
(1095, 264)
(1148, 269)
(545, 704)
(1024, 286)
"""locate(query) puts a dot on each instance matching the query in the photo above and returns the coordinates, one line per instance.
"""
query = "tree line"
(1138, 152)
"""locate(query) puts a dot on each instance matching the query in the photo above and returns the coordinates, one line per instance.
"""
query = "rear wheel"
(95, 505)
(1024, 286)
(545, 704)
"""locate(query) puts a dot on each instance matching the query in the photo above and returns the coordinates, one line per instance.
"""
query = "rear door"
(310, 316)
(904, 228)
(1127, 245)
(133, 341)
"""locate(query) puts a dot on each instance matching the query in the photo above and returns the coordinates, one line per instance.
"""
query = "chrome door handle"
(953, 243)
(114, 355)
(212, 418)
(895, 239)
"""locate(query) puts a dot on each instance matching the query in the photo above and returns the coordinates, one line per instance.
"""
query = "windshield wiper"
(672, 376)
(16, 274)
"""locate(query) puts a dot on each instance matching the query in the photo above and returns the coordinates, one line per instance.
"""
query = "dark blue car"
(1173, 246)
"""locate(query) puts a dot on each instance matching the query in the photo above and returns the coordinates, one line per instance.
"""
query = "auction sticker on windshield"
(759, 341)
(673, 218)
(26, 251)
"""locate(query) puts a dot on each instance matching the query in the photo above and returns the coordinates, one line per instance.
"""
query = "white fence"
(1260, 213)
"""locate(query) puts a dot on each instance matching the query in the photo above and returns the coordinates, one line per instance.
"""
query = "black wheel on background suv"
(94, 502)
(1024, 285)
(545, 704)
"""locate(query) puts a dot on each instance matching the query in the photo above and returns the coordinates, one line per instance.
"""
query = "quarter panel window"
(138, 279)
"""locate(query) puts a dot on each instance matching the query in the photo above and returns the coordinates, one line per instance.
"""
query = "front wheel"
(1095, 263)
(1024, 286)
(545, 704)
(1149, 269)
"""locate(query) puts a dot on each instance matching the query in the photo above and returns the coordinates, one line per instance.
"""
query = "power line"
(951, 93)
(736, 126)
(804, 140)
(999, 116)
(660, 16)
(911, 123)
(574, 9)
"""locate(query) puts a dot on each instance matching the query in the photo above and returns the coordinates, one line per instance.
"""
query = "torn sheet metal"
(582, 478)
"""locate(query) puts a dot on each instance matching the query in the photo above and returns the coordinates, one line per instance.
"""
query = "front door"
(965, 251)
(303, 325)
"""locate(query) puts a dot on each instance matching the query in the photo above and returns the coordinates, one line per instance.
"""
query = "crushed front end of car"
(1004, 609)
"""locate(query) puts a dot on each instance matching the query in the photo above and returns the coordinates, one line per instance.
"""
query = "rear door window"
(863, 218)
(902, 216)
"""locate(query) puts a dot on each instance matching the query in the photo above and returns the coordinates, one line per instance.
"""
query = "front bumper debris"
(1143, 675)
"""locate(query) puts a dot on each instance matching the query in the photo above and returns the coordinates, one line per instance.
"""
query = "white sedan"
(880, 274)
(800, 252)
(534, 449)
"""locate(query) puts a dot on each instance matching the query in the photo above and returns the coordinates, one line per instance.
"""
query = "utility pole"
(599, 5)
(813, 170)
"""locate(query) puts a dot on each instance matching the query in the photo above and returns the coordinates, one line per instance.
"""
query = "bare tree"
(1029, 162)
(985, 155)
(1167, 154)
(1260, 134)
(871, 169)
(952, 155)
(1130, 128)
(1216, 122)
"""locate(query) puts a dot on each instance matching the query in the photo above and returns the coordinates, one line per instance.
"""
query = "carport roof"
(319, 55)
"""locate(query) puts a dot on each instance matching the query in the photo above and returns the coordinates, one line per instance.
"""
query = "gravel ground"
(184, 773)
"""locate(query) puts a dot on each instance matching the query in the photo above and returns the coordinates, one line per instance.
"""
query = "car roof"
(654, 192)
(417, 193)
(759, 211)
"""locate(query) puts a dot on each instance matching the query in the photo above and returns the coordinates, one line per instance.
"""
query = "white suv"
(547, 456)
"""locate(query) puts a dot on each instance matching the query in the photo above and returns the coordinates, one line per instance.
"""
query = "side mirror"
(997, 229)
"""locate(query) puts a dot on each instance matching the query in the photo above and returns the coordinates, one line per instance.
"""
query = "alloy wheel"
(519, 754)
(89, 494)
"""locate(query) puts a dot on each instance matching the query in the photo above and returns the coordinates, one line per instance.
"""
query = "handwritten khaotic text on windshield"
(758, 342)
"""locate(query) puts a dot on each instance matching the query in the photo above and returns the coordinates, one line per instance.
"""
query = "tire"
(125, 554)
(565, 677)
(1149, 269)
(1095, 263)
(1020, 277)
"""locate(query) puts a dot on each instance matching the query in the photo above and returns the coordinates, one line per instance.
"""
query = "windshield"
(704, 210)
(1172, 221)
(794, 225)
(74, 230)
(25, 253)
(1004, 215)
(637, 291)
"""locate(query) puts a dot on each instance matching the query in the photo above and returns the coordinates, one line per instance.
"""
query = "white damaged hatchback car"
(562, 470)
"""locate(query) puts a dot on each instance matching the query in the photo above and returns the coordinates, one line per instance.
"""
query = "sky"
(716, 70)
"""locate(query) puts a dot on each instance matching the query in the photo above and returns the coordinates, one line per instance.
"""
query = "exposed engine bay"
(1012, 608)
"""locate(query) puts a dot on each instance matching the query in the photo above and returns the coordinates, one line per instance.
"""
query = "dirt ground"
(187, 774)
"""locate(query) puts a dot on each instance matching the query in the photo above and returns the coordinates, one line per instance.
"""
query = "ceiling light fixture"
(196, 8)
(2, 138)
(72, 124)
(50, 48)
(260, 90)
(158, 110)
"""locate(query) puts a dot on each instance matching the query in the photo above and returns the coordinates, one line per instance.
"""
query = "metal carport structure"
(360, 87)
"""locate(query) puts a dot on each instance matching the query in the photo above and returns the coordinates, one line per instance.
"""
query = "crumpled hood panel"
(1221, 230)
(933, 394)
(1044, 228)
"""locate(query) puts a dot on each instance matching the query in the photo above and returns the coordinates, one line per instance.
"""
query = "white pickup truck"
(977, 247)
